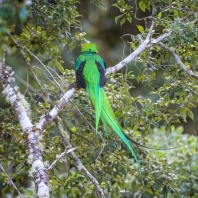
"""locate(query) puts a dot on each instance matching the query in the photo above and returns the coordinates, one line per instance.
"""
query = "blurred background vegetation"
(53, 31)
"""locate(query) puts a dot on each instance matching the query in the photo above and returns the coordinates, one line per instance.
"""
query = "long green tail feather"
(104, 111)
(95, 96)
(108, 115)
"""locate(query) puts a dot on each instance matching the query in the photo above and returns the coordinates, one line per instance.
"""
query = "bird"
(90, 75)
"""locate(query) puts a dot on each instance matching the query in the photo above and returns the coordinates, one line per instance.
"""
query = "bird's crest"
(89, 47)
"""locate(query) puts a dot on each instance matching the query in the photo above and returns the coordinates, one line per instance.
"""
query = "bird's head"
(89, 47)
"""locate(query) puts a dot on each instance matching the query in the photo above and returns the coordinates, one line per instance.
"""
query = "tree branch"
(77, 160)
(134, 54)
(145, 44)
(56, 109)
(35, 154)
(10, 181)
(177, 59)
(59, 157)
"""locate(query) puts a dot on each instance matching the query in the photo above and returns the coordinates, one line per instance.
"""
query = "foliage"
(45, 29)
(183, 160)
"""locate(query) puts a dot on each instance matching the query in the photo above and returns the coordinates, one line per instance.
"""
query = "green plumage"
(90, 75)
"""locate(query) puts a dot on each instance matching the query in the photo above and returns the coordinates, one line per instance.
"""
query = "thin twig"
(10, 181)
(178, 60)
(30, 67)
(59, 157)
(29, 86)
(32, 54)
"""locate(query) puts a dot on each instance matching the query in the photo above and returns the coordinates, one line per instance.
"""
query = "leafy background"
(154, 99)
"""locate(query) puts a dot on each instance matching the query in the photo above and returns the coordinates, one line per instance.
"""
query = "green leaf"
(122, 2)
(157, 184)
(132, 45)
(74, 129)
(72, 45)
(165, 192)
(184, 111)
(175, 13)
(129, 19)
(117, 18)
(50, 63)
(142, 6)
(116, 5)
(159, 15)
(171, 94)
(4, 189)
(75, 192)
(190, 114)
(140, 28)
(176, 24)
(180, 130)
(59, 66)
(122, 21)
(194, 60)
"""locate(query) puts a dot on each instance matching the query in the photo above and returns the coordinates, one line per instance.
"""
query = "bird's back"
(90, 71)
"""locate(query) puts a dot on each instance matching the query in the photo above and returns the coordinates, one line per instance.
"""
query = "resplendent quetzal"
(90, 75)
